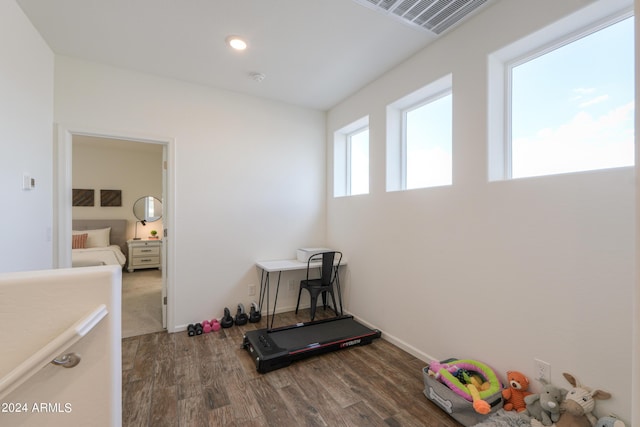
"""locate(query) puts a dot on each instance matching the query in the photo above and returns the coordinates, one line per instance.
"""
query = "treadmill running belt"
(302, 337)
(277, 348)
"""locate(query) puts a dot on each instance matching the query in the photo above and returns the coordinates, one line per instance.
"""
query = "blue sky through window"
(573, 108)
(359, 146)
(428, 145)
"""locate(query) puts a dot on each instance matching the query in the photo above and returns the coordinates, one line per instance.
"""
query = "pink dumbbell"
(215, 325)
(206, 327)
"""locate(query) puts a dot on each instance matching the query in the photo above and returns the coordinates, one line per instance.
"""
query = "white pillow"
(96, 238)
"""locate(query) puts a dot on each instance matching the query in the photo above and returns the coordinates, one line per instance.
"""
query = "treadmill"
(273, 349)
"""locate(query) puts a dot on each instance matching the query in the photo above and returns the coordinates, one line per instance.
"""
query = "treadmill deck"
(277, 348)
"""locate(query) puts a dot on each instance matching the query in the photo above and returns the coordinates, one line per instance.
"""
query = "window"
(570, 107)
(427, 143)
(358, 164)
(419, 138)
(351, 159)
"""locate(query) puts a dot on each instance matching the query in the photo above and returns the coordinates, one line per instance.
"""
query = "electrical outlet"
(542, 370)
(252, 290)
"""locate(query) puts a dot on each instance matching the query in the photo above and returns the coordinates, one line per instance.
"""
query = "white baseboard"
(399, 343)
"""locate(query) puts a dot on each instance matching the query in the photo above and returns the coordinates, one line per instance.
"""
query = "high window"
(358, 163)
(427, 143)
(419, 138)
(351, 159)
(570, 106)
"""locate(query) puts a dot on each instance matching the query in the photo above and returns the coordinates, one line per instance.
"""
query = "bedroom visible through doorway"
(133, 171)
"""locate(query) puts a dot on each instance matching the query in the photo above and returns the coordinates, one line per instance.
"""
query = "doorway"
(131, 179)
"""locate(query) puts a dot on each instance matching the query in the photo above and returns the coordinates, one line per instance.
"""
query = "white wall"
(35, 331)
(26, 116)
(249, 175)
(135, 168)
(503, 272)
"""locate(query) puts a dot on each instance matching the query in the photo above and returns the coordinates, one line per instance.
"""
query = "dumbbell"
(206, 327)
(191, 329)
(199, 329)
(254, 313)
(227, 320)
(215, 325)
(241, 316)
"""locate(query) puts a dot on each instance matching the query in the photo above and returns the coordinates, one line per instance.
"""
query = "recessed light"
(236, 42)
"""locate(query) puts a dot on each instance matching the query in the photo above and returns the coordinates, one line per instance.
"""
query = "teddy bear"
(545, 406)
(514, 394)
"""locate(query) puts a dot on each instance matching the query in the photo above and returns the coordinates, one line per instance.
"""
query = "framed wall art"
(110, 198)
(83, 197)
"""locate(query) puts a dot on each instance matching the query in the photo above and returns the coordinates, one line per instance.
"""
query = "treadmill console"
(265, 352)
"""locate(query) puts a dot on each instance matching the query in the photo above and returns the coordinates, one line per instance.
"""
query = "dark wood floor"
(208, 380)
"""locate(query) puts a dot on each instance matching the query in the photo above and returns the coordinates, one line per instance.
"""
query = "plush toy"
(514, 395)
(449, 377)
(609, 422)
(545, 406)
(478, 382)
(436, 367)
(479, 405)
(577, 407)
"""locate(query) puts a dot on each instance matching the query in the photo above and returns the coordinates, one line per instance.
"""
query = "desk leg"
(264, 282)
(264, 291)
(275, 301)
(339, 290)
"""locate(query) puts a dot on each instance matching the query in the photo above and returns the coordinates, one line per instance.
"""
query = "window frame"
(342, 157)
(396, 155)
(349, 160)
(404, 123)
(501, 63)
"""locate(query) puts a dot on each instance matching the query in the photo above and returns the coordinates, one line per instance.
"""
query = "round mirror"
(148, 209)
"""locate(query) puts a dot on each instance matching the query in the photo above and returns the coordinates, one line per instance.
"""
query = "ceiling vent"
(435, 16)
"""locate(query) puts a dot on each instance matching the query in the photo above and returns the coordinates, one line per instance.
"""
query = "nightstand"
(144, 254)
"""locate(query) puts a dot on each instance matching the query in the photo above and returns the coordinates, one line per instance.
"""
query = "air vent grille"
(435, 16)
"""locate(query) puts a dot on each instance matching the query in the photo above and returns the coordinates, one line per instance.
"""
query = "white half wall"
(26, 117)
(503, 272)
(249, 176)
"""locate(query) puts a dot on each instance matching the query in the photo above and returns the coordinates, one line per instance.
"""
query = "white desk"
(278, 266)
(285, 265)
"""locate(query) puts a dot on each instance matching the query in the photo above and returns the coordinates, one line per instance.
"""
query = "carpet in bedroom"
(141, 298)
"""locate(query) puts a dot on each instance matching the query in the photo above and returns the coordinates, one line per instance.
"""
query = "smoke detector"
(434, 16)
(257, 77)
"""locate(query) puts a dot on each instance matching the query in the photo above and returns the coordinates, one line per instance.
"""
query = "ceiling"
(313, 53)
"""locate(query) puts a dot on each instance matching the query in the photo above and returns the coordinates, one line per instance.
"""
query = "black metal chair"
(325, 283)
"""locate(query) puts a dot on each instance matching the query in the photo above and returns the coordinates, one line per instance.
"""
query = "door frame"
(62, 201)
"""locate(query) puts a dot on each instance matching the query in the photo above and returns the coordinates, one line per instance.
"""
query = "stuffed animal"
(609, 422)
(578, 405)
(545, 406)
(435, 367)
(479, 405)
(514, 395)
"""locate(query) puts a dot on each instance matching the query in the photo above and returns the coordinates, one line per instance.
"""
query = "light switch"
(28, 182)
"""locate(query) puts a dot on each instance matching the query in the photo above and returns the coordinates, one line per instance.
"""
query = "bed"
(99, 242)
